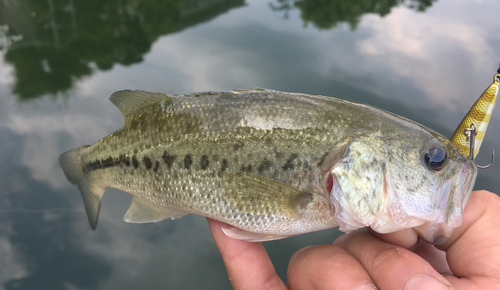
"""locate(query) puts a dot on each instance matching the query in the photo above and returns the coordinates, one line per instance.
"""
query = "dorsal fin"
(130, 102)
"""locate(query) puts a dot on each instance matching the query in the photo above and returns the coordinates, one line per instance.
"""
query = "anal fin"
(239, 234)
(141, 212)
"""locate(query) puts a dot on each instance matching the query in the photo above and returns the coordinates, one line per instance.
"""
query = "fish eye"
(435, 158)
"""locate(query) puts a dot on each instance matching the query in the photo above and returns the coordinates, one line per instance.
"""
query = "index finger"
(247, 263)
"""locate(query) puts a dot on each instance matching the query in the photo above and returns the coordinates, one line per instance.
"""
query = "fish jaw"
(393, 216)
(454, 198)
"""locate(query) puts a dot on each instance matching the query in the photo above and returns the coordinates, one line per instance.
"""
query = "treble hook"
(471, 133)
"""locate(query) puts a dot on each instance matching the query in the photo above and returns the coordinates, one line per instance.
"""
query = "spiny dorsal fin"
(259, 195)
(130, 102)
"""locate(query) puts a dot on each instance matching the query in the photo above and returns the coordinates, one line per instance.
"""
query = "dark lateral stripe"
(225, 165)
(124, 159)
(264, 165)
(135, 162)
(120, 161)
(90, 166)
(157, 165)
(247, 168)
(204, 162)
(106, 163)
(289, 164)
(168, 159)
(188, 161)
(147, 162)
(101, 164)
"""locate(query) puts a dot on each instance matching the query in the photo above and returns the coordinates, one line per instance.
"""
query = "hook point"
(491, 163)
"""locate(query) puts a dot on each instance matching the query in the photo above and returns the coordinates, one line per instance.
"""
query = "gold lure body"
(479, 115)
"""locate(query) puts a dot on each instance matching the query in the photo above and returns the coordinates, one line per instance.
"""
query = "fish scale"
(186, 166)
(272, 164)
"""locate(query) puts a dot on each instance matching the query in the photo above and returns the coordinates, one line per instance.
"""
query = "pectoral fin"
(141, 212)
(262, 196)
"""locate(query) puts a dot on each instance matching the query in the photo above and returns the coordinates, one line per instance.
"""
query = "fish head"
(390, 182)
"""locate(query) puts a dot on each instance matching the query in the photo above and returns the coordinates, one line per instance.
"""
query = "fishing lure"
(469, 135)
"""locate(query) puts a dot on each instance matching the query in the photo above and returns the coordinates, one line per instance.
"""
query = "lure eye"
(435, 158)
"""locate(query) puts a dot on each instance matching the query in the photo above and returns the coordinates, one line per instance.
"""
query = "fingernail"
(426, 282)
(367, 287)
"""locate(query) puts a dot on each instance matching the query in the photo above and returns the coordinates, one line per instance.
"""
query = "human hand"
(470, 258)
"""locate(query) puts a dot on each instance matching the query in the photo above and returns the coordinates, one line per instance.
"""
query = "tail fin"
(73, 169)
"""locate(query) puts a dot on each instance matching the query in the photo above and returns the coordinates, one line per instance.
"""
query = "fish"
(274, 164)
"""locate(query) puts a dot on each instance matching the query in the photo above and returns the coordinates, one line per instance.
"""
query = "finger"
(473, 250)
(435, 257)
(248, 265)
(391, 266)
(326, 267)
(409, 239)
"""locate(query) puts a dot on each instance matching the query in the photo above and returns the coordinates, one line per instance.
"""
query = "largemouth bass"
(274, 164)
